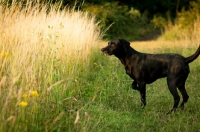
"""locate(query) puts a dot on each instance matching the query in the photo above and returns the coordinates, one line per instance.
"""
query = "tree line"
(130, 19)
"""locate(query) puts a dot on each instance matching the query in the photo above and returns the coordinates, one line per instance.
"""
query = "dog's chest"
(128, 71)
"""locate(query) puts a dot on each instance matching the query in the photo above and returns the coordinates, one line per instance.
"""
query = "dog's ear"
(124, 43)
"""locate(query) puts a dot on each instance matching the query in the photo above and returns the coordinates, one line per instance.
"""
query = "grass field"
(124, 100)
(53, 77)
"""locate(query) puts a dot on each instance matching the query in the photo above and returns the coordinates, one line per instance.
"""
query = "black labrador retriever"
(146, 68)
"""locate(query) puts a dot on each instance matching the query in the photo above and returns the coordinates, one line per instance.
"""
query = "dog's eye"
(112, 44)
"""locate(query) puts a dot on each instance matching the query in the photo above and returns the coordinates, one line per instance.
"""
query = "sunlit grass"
(42, 49)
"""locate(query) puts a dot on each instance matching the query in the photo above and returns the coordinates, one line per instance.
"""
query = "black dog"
(146, 68)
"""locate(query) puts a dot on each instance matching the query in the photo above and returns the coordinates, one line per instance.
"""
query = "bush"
(186, 24)
(120, 21)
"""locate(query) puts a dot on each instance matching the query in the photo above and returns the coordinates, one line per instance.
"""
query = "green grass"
(100, 98)
(117, 107)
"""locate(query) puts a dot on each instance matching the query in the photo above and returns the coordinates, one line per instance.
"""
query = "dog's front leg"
(142, 89)
(135, 86)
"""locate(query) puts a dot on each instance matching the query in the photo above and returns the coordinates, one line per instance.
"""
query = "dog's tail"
(193, 57)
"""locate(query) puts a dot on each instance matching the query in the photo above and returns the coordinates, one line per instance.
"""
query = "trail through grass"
(120, 105)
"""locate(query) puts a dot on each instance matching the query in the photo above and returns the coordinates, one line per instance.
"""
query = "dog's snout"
(103, 49)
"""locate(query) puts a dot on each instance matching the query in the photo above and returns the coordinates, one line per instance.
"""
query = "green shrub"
(185, 24)
(120, 21)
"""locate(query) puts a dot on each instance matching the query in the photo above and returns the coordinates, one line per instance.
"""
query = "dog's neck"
(124, 57)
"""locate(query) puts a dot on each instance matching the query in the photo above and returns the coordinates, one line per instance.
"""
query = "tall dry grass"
(41, 47)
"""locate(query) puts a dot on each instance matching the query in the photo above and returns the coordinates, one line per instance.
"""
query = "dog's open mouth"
(105, 53)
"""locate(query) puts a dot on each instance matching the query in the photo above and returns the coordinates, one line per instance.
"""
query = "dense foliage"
(121, 21)
(133, 19)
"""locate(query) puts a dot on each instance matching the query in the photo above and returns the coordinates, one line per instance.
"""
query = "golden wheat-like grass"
(41, 46)
(31, 38)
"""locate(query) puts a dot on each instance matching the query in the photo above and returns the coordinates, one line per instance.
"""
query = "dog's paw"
(172, 110)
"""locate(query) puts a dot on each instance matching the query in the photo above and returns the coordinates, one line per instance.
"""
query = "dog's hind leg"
(184, 94)
(174, 92)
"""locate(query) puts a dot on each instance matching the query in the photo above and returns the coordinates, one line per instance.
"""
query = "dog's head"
(116, 47)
